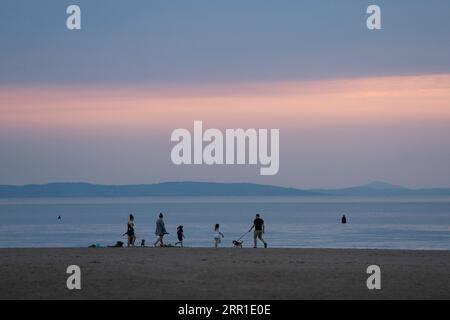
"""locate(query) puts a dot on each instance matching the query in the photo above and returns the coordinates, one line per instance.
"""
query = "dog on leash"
(237, 244)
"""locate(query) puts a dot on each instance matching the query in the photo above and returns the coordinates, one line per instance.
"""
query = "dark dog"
(237, 244)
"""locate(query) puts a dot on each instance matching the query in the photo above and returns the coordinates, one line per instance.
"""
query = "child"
(217, 235)
(180, 235)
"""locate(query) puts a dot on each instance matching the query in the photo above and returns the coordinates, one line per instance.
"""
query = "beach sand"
(193, 273)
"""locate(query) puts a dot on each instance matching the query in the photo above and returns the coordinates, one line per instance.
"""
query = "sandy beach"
(190, 273)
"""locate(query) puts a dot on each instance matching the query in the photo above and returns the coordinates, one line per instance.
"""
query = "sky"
(99, 104)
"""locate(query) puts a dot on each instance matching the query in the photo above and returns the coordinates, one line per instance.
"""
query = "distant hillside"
(54, 190)
(150, 190)
(378, 188)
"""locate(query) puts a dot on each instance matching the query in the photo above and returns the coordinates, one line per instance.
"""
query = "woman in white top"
(217, 235)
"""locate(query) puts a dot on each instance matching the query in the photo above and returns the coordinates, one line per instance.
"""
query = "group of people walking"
(160, 232)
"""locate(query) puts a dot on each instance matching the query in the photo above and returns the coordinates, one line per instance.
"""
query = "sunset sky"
(99, 105)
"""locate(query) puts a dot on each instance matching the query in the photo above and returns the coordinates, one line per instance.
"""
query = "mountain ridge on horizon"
(192, 188)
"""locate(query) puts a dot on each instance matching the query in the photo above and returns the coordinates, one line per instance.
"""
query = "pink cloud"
(281, 104)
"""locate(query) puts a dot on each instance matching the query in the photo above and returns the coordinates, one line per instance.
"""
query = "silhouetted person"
(160, 231)
(258, 225)
(130, 231)
(344, 219)
(180, 235)
(217, 235)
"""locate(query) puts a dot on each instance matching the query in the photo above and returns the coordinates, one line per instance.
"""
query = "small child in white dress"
(218, 236)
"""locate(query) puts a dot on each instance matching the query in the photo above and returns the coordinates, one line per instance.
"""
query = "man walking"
(258, 225)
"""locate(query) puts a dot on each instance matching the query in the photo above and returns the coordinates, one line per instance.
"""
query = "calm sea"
(394, 223)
